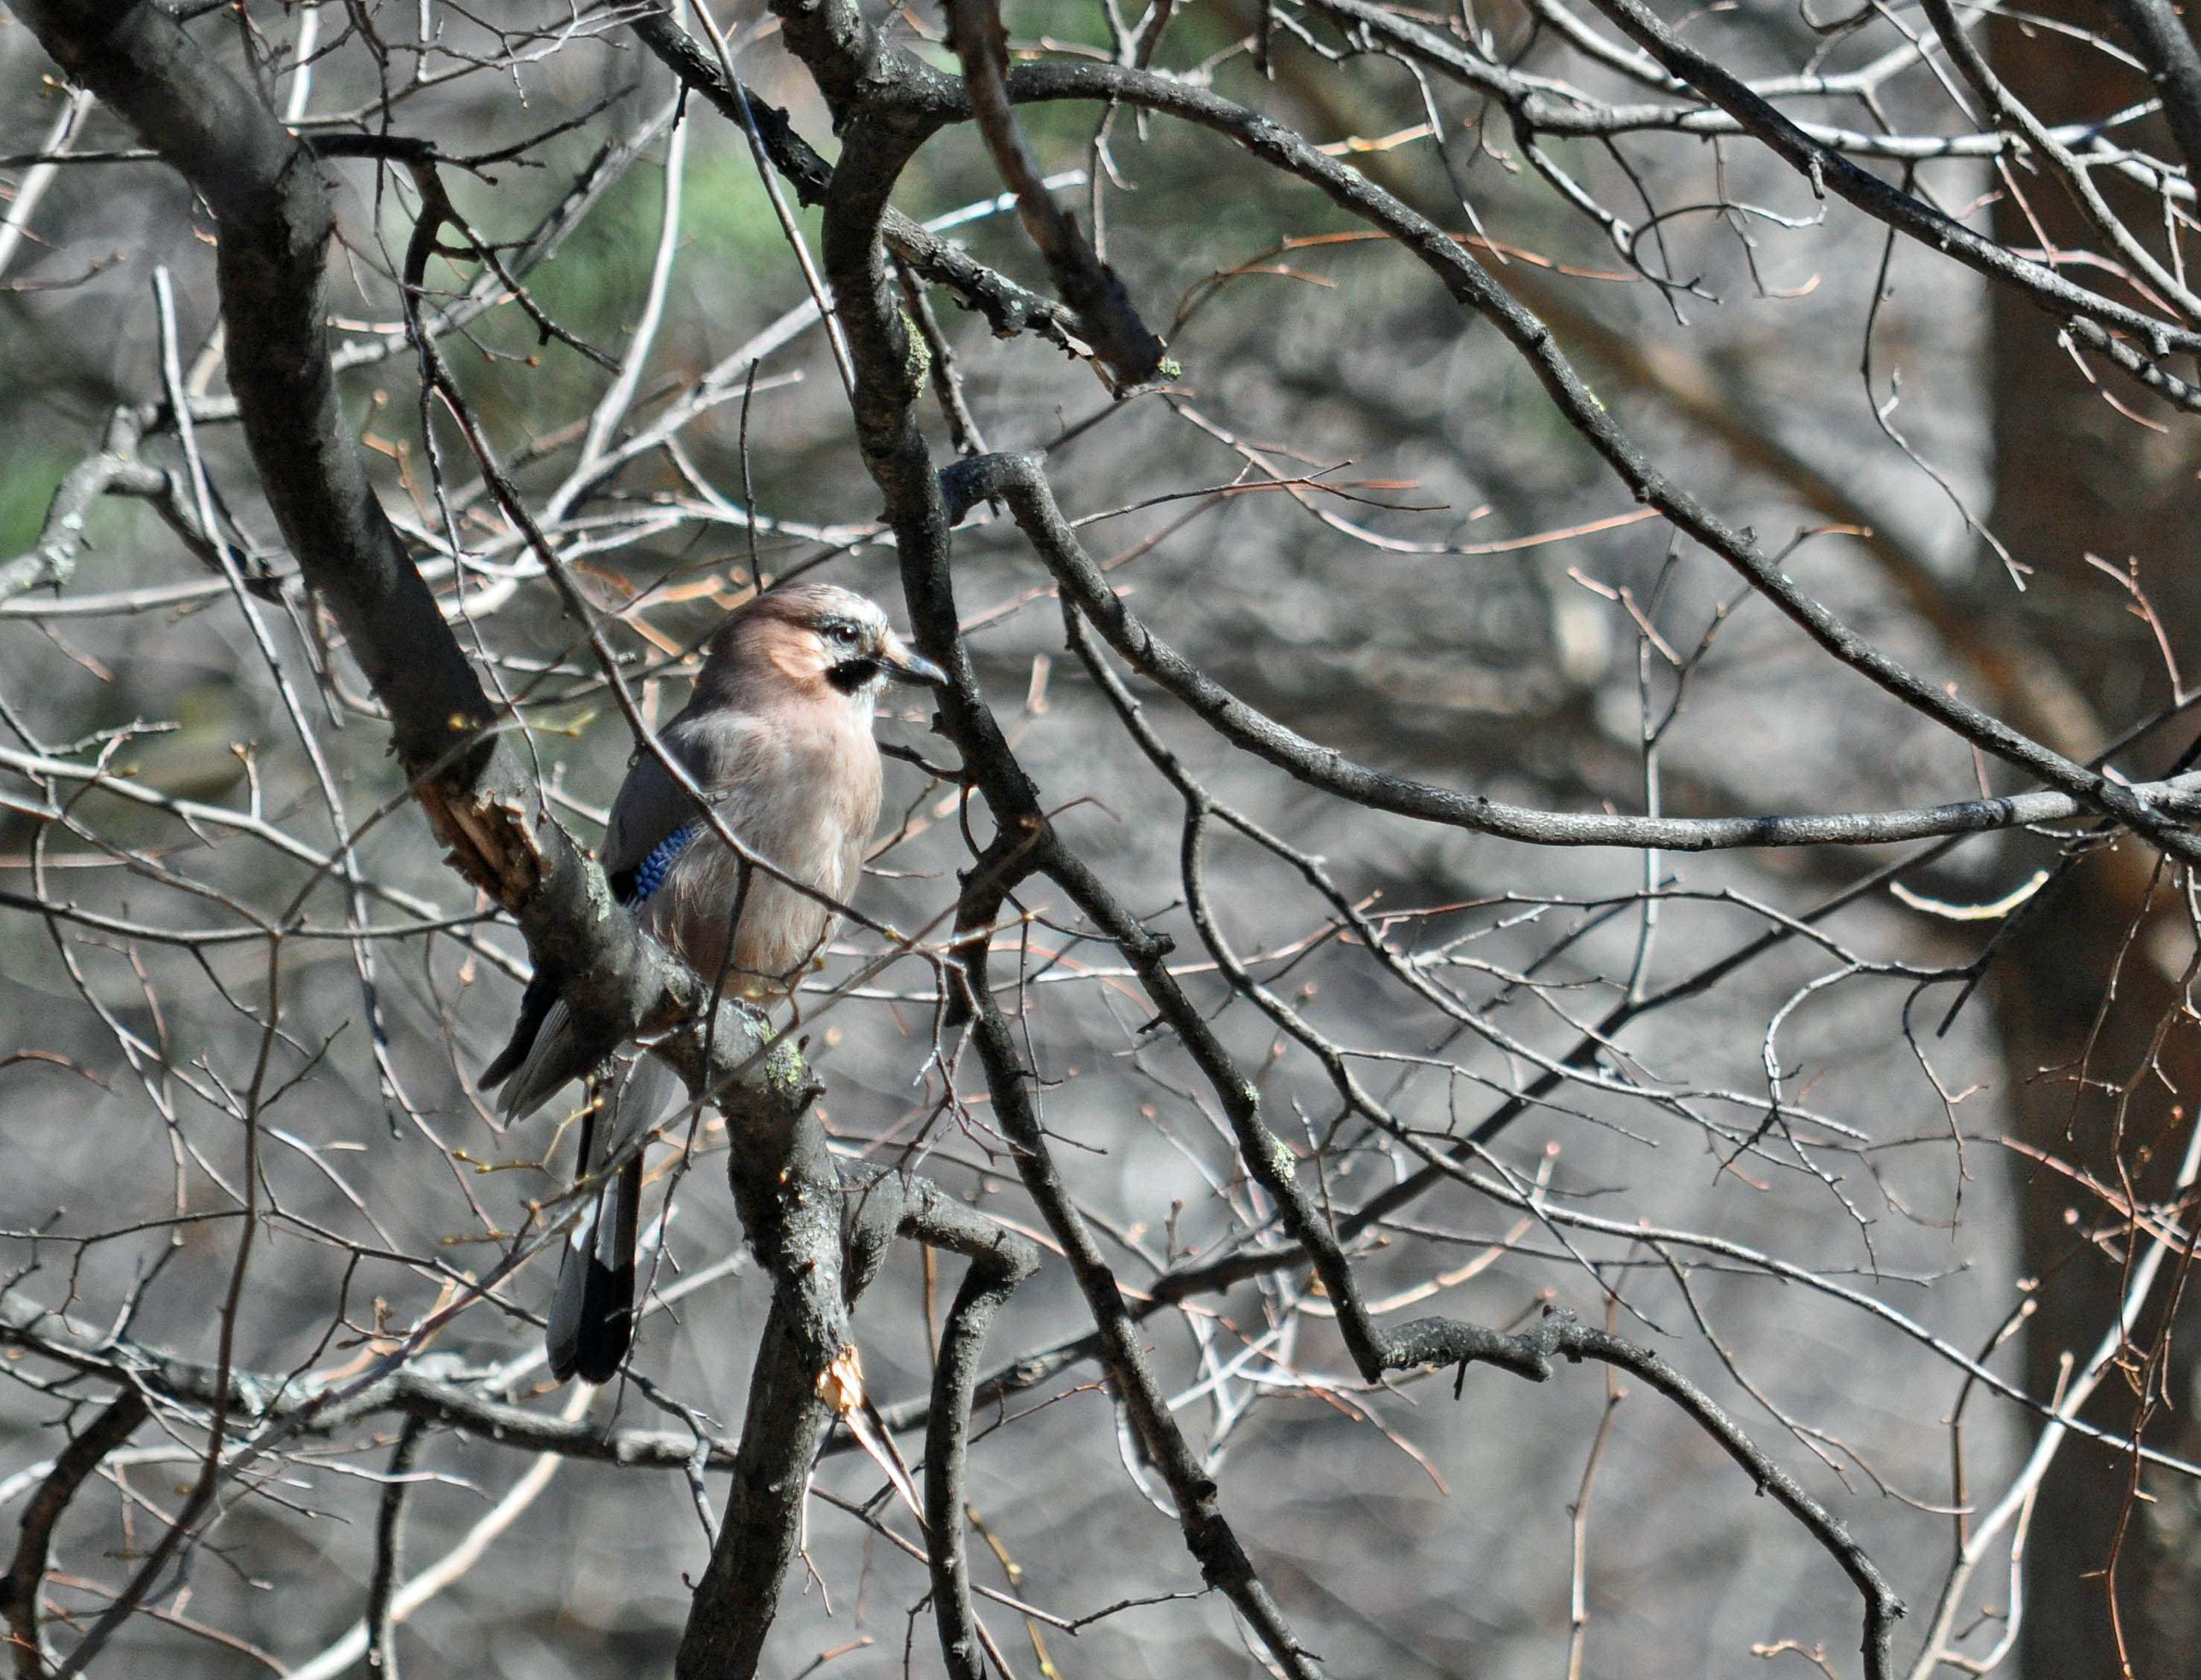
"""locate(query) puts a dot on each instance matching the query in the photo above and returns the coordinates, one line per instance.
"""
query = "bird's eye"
(846, 635)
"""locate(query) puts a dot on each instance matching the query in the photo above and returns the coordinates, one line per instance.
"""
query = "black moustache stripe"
(850, 675)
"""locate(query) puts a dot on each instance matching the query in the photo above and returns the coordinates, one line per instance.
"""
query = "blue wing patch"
(634, 887)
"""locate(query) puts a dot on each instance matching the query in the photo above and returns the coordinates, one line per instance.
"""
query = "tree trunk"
(2074, 477)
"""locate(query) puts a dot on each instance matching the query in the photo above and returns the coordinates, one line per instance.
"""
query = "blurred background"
(1355, 507)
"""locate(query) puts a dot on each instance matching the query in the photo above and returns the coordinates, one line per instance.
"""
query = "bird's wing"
(652, 818)
(651, 809)
(655, 817)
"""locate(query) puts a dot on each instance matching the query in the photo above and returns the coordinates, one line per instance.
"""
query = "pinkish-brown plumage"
(777, 739)
(817, 767)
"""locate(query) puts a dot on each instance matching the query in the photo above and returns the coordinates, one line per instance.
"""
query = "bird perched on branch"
(777, 740)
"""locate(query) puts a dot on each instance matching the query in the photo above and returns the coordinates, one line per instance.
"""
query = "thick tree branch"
(265, 189)
(26, 1580)
(274, 220)
(1008, 307)
(921, 101)
(1018, 481)
(2166, 46)
(887, 1204)
(1472, 286)
(889, 383)
(1124, 343)
(390, 1553)
(788, 1193)
(431, 1390)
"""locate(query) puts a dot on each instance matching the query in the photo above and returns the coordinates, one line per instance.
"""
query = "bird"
(777, 738)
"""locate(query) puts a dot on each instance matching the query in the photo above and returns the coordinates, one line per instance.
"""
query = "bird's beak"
(905, 665)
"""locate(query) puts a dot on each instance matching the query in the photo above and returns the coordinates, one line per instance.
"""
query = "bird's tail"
(591, 1322)
(592, 1310)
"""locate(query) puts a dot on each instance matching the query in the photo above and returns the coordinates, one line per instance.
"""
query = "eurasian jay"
(778, 737)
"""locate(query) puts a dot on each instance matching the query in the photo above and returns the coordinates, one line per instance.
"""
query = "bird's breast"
(806, 804)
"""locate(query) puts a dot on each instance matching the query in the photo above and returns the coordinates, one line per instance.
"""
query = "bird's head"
(818, 639)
